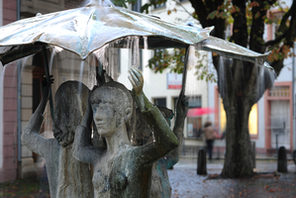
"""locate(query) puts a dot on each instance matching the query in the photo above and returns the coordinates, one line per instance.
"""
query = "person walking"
(210, 136)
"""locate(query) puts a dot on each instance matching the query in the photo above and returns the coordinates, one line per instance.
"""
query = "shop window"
(194, 123)
(253, 119)
(194, 126)
(222, 123)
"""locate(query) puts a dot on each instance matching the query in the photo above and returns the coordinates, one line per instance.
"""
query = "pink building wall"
(8, 172)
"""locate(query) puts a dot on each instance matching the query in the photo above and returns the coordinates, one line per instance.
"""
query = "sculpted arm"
(83, 150)
(30, 136)
(165, 139)
(181, 112)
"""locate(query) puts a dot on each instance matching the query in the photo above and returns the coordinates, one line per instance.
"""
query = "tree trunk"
(238, 160)
(238, 86)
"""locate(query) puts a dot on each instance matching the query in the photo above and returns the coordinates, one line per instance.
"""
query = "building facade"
(271, 119)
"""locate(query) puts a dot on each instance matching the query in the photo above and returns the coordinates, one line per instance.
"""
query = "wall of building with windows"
(270, 120)
(196, 90)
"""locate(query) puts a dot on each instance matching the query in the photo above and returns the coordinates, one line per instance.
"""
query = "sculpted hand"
(137, 81)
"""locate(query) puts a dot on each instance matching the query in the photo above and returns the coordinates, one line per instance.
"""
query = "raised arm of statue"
(181, 112)
(165, 139)
(83, 149)
(30, 136)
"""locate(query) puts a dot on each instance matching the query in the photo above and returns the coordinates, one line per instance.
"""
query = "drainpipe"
(293, 96)
(19, 105)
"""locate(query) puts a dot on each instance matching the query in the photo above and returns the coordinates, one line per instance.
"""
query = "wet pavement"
(269, 184)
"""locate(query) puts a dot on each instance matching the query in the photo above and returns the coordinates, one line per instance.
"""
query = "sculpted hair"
(70, 105)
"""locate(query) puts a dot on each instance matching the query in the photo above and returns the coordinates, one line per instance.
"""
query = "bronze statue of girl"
(120, 169)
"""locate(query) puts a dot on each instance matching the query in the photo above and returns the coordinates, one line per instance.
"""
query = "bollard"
(202, 162)
(282, 160)
(254, 154)
(294, 156)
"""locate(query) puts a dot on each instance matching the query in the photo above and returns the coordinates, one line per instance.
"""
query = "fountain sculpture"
(67, 176)
(120, 169)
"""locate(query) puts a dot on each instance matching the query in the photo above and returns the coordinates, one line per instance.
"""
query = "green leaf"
(213, 14)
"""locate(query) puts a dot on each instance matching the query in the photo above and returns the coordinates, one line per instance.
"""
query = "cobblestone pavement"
(269, 184)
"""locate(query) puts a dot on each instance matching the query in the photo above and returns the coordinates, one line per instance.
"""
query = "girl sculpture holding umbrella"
(121, 170)
(67, 177)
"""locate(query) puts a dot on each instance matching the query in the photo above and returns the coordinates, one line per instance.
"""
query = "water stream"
(260, 80)
(221, 76)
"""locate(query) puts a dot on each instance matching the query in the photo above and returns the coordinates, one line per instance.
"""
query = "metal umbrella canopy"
(85, 29)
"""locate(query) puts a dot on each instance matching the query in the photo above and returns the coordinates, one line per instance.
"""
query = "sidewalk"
(187, 184)
(192, 154)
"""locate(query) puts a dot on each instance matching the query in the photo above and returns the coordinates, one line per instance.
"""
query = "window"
(274, 18)
(194, 102)
(136, 6)
(158, 57)
(279, 91)
(279, 105)
(253, 119)
(161, 102)
(194, 123)
(159, 5)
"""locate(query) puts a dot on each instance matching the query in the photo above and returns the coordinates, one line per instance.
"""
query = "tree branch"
(292, 28)
(259, 12)
(201, 11)
(240, 32)
(288, 37)
(276, 40)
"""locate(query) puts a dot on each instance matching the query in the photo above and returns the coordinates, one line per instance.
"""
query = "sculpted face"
(104, 117)
(112, 107)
